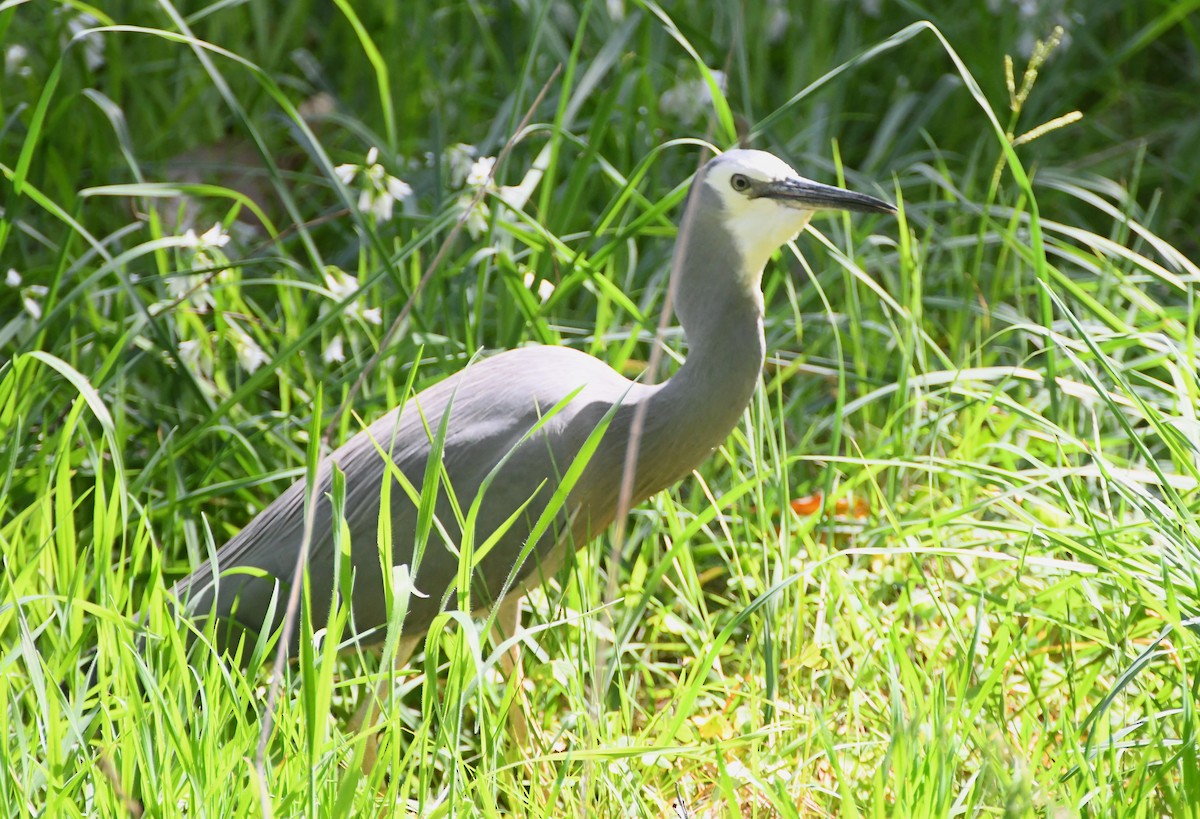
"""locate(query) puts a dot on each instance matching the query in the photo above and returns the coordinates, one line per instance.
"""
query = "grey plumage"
(728, 233)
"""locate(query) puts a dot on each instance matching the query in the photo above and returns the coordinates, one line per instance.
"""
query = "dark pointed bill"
(805, 193)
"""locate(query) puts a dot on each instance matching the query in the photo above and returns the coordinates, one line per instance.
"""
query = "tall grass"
(947, 564)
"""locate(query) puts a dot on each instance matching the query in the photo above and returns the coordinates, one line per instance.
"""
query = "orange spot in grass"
(854, 508)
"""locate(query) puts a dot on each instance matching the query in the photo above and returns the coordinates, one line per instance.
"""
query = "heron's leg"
(368, 712)
(508, 620)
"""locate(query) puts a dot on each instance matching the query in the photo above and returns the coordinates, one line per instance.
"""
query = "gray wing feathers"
(493, 405)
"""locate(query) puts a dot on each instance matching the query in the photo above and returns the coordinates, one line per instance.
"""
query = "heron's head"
(765, 203)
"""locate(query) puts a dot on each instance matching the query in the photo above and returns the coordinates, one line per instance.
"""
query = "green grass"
(996, 396)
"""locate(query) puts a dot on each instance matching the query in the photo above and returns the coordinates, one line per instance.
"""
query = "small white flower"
(30, 296)
(334, 351)
(459, 159)
(381, 209)
(14, 61)
(544, 288)
(341, 286)
(481, 172)
(179, 286)
(193, 289)
(379, 190)
(380, 200)
(477, 217)
(687, 101)
(215, 236)
(778, 18)
(192, 356)
(93, 44)
(340, 283)
(250, 356)
(398, 189)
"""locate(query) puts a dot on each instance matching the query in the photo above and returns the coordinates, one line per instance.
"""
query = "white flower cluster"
(204, 256)
(206, 260)
(378, 191)
(31, 295)
(341, 286)
(78, 25)
(250, 356)
(469, 172)
(16, 61)
(473, 173)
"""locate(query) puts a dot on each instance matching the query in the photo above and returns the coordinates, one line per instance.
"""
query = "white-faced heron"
(743, 206)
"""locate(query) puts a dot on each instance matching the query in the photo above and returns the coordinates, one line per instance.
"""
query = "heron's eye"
(739, 182)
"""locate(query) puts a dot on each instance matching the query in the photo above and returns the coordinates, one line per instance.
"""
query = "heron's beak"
(804, 193)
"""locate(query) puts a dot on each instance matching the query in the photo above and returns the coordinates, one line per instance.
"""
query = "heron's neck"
(697, 407)
(719, 304)
(718, 300)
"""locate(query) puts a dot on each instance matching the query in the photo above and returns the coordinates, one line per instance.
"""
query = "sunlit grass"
(947, 565)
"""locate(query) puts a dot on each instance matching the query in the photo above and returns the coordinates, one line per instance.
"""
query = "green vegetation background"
(982, 601)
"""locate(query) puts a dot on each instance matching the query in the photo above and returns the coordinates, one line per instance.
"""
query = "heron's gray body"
(494, 403)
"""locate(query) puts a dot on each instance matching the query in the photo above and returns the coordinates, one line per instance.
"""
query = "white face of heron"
(759, 224)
